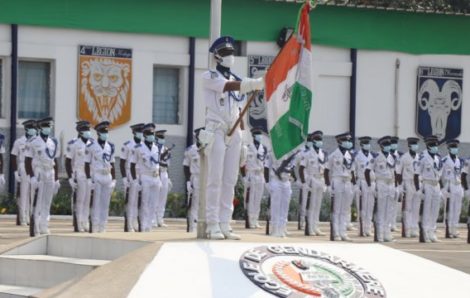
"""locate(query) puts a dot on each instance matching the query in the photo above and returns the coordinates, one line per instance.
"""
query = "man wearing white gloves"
(75, 167)
(224, 95)
(131, 188)
(452, 189)
(145, 169)
(165, 155)
(17, 157)
(42, 153)
(100, 172)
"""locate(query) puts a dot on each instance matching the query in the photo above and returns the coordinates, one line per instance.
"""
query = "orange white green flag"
(289, 89)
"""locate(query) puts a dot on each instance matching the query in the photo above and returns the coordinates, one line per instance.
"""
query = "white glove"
(113, 183)
(245, 181)
(249, 84)
(72, 183)
(56, 186)
(2, 180)
(170, 185)
(137, 184)
(189, 187)
(205, 137)
(90, 184)
(125, 183)
(268, 187)
(17, 177)
(34, 183)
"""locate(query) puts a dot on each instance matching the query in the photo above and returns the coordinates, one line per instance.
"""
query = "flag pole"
(243, 112)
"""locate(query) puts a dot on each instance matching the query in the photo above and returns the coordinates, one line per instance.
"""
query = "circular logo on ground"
(288, 271)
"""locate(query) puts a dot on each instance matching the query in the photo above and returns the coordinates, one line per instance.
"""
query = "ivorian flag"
(289, 89)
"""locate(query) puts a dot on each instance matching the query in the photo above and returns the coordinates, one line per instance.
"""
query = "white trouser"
(394, 209)
(431, 206)
(411, 201)
(455, 206)
(367, 200)
(281, 192)
(256, 185)
(82, 207)
(150, 189)
(131, 208)
(101, 196)
(317, 187)
(193, 211)
(24, 203)
(222, 172)
(162, 197)
(385, 199)
(45, 192)
(343, 195)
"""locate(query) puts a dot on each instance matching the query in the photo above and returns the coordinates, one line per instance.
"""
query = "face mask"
(433, 149)
(161, 141)
(454, 150)
(414, 147)
(257, 138)
(386, 149)
(228, 61)
(318, 144)
(309, 144)
(46, 131)
(86, 134)
(394, 146)
(150, 138)
(346, 144)
(139, 135)
(103, 136)
(366, 147)
(31, 132)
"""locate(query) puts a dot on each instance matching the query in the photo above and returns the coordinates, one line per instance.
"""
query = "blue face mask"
(318, 144)
(394, 147)
(433, 149)
(150, 138)
(414, 147)
(347, 144)
(139, 135)
(46, 131)
(257, 138)
(454, 150)
(366, 147)
(103, 136)
(161, 141)
(386, 149)
(31, 132)
(86, 134)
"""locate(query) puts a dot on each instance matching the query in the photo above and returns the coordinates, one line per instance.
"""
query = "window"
(1, 87)
(34, 89)
(166, 95)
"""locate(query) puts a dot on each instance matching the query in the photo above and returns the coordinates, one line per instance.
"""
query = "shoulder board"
(400, 153)
(137, 145)
(127, 143)
(374, 154)
(421, 156)
(111, 144)
(72, 141)
(214, 74)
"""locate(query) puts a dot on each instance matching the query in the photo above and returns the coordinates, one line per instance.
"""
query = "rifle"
(90, 216)
(307, 223)
(332, 217)
(73, 202)
(361, 219)
(447, 218)
(188, 210)
(18, 198)
(421, 228)
(139, 204)
(468, 224)
(268, 214)
(299, 219)
(32, 221)
(247, 201)
(374, 220)
(403, 212)
(164, 155)
(126, 218)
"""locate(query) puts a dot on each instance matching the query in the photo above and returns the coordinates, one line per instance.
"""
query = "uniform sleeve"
(16, 148)
(186, 158)
(214, 81)
(124, 152)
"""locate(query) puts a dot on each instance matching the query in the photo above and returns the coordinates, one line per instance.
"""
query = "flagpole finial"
(312, 3)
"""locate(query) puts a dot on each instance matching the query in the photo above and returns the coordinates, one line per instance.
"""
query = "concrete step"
(12, 291)
(43, 271)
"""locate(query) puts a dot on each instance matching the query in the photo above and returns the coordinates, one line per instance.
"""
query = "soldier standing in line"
(100, 172)
(398, 190)
(18, 155)
(165, 182)
(131, 187)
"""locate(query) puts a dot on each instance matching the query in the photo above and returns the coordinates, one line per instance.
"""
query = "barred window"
(166, 105)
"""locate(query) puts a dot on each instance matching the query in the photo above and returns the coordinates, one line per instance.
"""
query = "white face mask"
(228, 61)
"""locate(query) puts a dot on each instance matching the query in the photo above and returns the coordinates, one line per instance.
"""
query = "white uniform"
(192, 160)
(314, 186)
(452, 186)
(19, 150)
(223, 155)
(147, 160)
(254, 167)
(384, 170)
(340, 173)
(398, 192)
(43, 152)
(101, 160)
(281, 192)
(430, 170)
(407, 168)
(165, 157)
(367, 193)
(76, 153)
(127, 152)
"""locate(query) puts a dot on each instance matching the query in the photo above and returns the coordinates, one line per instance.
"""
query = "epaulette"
(214, 74)
(138, 145)
(400, 153)
(374, 154)
(127, 143)
(421, 155)
(72, 141)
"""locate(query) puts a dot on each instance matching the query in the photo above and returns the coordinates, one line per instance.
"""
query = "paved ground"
(454, 253)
